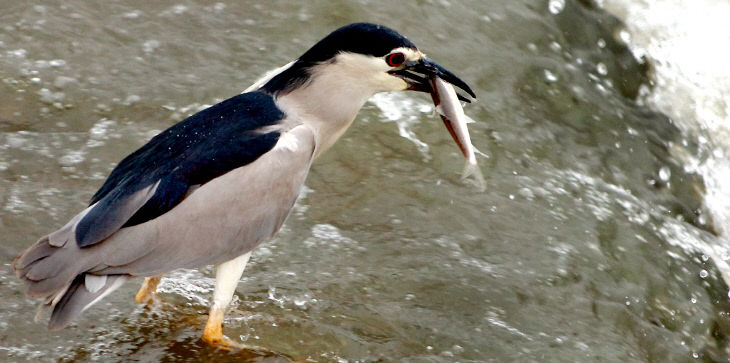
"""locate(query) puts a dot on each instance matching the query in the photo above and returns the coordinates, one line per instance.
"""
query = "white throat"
(332, 97)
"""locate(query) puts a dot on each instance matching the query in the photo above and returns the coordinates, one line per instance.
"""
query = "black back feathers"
(202, 147)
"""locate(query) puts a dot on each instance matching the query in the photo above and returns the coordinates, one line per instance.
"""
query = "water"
(689, 85)
(601, 235)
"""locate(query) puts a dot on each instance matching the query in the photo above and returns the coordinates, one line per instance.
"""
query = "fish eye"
(395, 59)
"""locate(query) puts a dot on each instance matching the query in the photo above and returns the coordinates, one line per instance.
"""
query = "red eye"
(395, 59)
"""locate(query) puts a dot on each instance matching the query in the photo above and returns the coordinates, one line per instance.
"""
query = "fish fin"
(473, 170)
(439, 110)
(479, 152)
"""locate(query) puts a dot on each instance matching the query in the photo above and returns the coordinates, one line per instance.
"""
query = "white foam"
(687, 42)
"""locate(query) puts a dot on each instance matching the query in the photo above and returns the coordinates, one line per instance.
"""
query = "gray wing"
(222, 219)
(152, 180)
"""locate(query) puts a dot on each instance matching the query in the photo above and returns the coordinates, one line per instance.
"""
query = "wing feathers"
(110, 214)
(60, 237)
(78, 298)
(36, 252)
(169, 192)
(148, 185)
(157, 177)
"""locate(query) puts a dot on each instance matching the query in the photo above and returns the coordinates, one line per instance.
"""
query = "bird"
(211, 188)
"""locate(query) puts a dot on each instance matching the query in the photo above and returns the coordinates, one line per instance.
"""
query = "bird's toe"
(223, 342)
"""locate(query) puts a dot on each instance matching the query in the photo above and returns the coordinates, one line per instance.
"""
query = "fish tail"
(473, 173)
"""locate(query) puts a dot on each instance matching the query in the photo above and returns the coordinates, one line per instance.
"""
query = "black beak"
(418, 73)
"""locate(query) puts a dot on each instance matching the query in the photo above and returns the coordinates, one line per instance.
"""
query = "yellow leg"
(227, 275)
(213, 333)
(147, 294)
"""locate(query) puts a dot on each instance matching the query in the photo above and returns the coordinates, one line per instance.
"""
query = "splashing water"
(686, 45)
(405, 112)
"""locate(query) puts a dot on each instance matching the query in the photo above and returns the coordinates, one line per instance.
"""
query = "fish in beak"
(425, 75)
(418, 74)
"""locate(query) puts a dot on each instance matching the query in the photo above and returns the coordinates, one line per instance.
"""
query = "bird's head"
(330, 82)
(359, 60)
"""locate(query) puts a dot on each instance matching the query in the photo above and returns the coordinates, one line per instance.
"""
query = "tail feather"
(58, 275)
(34, 253)
(78, 297)
(45, 269)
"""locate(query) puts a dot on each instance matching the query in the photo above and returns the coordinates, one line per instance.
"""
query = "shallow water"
(598, 237)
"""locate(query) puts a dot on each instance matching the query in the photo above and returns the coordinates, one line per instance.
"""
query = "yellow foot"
(147, 294)
(224, 343)
(213, 335)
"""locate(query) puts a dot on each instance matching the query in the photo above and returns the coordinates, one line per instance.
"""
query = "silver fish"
(449, 108)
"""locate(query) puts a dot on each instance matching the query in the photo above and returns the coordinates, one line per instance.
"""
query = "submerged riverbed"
(600, 237)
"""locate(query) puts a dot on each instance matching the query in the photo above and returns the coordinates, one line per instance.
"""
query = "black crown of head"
(363, 38)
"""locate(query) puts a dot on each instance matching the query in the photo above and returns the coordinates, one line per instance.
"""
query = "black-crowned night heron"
(211, 188)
